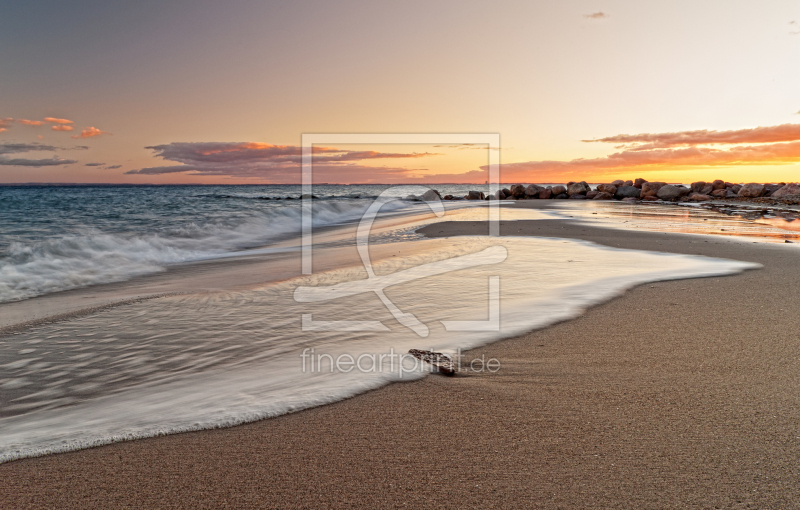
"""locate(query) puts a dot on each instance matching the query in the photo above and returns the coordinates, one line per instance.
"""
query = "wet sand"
(681, 394)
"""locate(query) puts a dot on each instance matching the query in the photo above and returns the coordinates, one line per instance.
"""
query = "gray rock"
(558, 190)
(545, 193)
(698, 186)
(607, 188)
(789, 189)
(475, 195)
(578, 188)
(650, 189)
(577, 196)
(499, 195)
(672, 192)
(751, 190)
(697, 197)
(561, 196)
(532, 191)
(627, 192)
(618, 183)
(431, 196)
(517, 190)
(603, 196)
(770, 189)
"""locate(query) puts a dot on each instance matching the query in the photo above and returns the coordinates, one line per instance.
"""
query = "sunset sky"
(221, 92)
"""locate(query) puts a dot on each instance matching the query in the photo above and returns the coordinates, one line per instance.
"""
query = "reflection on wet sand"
(760, 224)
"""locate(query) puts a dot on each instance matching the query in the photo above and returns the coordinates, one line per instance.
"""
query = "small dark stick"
(441, 361)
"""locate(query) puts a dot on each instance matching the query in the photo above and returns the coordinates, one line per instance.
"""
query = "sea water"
(219, 358)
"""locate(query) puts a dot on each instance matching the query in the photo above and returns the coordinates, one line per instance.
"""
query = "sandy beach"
(678, 394)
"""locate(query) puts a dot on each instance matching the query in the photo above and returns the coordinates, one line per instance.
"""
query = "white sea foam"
(92, 257)
(192, 362)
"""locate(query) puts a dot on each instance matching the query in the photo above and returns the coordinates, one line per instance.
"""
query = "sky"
(221, 92)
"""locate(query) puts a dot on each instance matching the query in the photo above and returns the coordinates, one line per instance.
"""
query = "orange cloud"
(31, 122)
(3, 129)
(61, 127)
(659, 159)
(90, 132)
(771, 134)
(4, 123)
(58, 121)
(279, 163)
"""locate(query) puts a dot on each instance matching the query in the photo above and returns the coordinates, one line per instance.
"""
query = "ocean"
(134, 311)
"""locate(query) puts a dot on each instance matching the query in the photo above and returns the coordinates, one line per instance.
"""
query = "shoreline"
(556, 393)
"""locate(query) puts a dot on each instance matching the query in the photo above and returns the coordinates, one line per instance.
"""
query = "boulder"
(577, 196)
(532, 191)
(789, 189)
(698, 186)
(602, 196)
(499, 195)
(561, 196)
(650, 189)
(488, 197)
(697, 197)
(558, 190)
(628, 183)
(475, 195)
(592, 194)
(638, 183)
(751, 190)
(707, 189)
(719, 193)
(718, 184)
(506, 192)
(607, 188)
(735, 188)
(517, 190)
(673, 192)
(770, 189)
(627, 192)
(650, 198)
(432, 196)
(729, 193)
(618, 182)
(578, 188)
(545, 193)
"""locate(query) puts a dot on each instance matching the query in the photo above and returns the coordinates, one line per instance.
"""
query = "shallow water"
(756, 224)
(189, 362)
